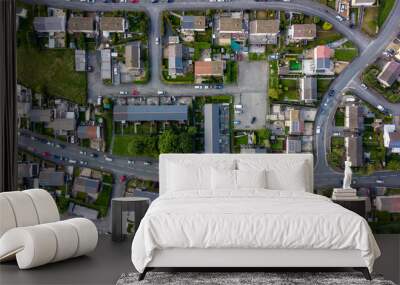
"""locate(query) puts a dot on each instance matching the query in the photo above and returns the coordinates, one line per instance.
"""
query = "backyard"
(345, 54)
(51, 72)
(370, 20)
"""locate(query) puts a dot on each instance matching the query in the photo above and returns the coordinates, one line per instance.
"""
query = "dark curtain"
(8, 126)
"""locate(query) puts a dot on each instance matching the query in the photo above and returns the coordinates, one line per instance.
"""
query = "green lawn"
(184, 79)
(273, 91)
(323, 85)
(345, 54)
(277, 145)
(336, 157)
(288, 90)
(370, 20)
(339, 118)
(385, 6)
(239, 140)
(231, 72)
(51, 72)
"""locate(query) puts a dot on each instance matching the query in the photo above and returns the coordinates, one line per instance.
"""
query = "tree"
(185, 143)
(316, 19)
(326, 26)
(168, 142)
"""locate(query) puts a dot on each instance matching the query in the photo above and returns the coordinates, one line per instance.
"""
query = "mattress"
(250, 219)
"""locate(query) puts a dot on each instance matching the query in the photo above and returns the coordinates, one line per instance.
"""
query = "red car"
(122, 178)
(46, 153)
(134, 1)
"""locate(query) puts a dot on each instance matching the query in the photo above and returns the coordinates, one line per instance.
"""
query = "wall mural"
(100, 97)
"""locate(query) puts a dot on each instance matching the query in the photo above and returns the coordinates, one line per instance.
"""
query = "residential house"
(190, 24)
(209, 68)
(80, 60)
(28, 169)
(112, 25)
(89, 132)
(49, 24)
(354, 152)
(51, 178)
(308, 89)
(79, 24)
(389, 204)
(230, 28)
(24, 101)
(86, 185)
(41, 115)
(133, 56)
(359, 3)
(353, 118)
(62, 126)
(105, 64)
(264, 32)
(322, 60)
(343, 8)
(216, 128)
(296, 123)
(300, 32)
(293, 144)
(391, 138)
(175, 60)
(131, 113)
(53, 28)
(389, 74)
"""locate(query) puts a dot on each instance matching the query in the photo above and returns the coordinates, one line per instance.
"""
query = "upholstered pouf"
(31, 232)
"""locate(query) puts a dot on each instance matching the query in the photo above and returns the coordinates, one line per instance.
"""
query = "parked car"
(236, 122)
(364, 86)
(131, 162)
(107, 158)
(122, 178)
(123, 92)
(157, 39)
(72, 161)
(89, 68)
(83, 152)
(93, 155)
(331, 92)
(318, 130)
(46, 153)
(253, 120)
(160, 92)
(147, 162)
(379, 181)
(380, 108)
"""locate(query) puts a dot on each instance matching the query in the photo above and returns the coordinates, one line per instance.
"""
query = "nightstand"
(138, 205)
(357, 205)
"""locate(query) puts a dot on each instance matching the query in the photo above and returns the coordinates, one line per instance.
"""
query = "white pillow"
(251, 178)
(282, 174)
(183, 175)
(223, 179)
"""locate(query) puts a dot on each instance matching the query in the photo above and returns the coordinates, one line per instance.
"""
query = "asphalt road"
(118, 166)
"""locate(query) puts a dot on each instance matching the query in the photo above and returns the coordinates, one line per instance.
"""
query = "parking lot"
(253, 97)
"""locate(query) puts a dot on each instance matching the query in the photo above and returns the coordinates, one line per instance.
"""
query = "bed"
(247, 211)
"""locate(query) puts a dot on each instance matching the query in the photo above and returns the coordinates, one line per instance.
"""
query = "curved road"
(349, 80)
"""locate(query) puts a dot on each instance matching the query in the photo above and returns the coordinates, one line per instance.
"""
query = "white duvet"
(250, 219)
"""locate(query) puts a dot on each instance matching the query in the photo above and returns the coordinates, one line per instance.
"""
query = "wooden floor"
(110, 260)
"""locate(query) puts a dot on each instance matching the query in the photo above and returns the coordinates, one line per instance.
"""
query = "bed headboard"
(307, 158)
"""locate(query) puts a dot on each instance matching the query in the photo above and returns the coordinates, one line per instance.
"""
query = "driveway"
(252, 82)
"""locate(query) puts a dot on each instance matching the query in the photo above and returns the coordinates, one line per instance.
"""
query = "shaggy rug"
(244, 278)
